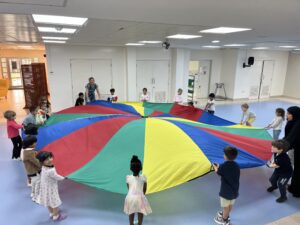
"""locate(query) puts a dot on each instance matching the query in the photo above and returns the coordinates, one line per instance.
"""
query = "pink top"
(13, 128)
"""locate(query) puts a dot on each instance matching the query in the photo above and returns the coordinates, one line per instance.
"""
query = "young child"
(32, 165)
(48, 195)
(230, 176)
(13, 133)
(248, 117)
(145, 97)
(45, 105)
(277, 123)
(113, 97)
(136, 201)
(283, 169)
(178, 98)
(210, 106)
(80, 99)
(30, 118)
(41, 116)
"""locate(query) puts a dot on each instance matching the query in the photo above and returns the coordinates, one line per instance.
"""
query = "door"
(83, 69)
(253, 74)
(266, 79)
(144, 78)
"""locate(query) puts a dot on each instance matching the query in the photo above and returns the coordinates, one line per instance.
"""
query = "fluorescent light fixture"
(215, 41)
(210, 46)
(150, 42)
(224, 30)
(235, 45)
(52, 41)
(184, 36)
(56, 38)
(134, 44)
(57, 30)
(298, 49)
(260, 48)
(287, 46)
(60, 20)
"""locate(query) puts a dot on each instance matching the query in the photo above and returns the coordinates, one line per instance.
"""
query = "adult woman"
(90, 89)
(292, 135)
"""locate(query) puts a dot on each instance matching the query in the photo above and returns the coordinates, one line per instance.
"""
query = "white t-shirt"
(246, 116)
(277, 123)
(212, 107)
(144, 98)
(178, 99)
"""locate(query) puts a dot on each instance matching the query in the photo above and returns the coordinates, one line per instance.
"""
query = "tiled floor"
(193, 203)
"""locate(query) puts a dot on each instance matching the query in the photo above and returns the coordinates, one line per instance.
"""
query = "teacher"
(90, 89)
(292, 135)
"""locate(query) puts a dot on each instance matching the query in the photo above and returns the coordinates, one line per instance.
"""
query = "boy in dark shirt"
(80, 99)
(230, 177)
(283, 169)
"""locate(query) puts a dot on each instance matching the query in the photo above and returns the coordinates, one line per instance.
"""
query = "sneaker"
(59, 217)
(281, 199)
(220, 220)
(220, 214)
(270, 189)
(135, 222)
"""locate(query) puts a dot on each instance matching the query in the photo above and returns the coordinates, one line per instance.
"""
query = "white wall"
(293, 76)
(59, 57)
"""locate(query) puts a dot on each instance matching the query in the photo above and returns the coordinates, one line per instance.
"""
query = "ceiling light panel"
(184, 36)
(57, 30)
(150, 42)
(210, 46)
(134, 44)
(260, 48)
(59, 20)
(235, 45)
(52, 41)
(56, 38)
(224, 30)
(287, 46)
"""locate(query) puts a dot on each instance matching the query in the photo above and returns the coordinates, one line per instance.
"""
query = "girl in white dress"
(136, 201)
(48, 195)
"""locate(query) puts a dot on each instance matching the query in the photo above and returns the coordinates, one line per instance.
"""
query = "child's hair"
(29, 141)
(32, 109)
(212, 95)
(179, 90)
(145, 89)
(80, 94)
(91, 78)
(9, 114)
(231, 152)
(281, 145)
(245, 105)
(112, 90)
(43, 156)
(135, 165)
(281, 112)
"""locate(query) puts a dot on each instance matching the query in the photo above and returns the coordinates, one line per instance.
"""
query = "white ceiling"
(274, 23)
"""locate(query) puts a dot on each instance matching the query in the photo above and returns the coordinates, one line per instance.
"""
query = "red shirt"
(13, 128)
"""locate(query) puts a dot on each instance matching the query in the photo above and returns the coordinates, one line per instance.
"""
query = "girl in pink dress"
(136, 201)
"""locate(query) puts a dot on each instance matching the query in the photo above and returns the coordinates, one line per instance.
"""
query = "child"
(145, 97)
(210, 106)
(13, 133)
(230, 176)
(277, 123)
(136, 201)
(32, 165)
(29, 123)
(248, 117)
(113, 97)
(283, 169)
(178, 98)
(41, 116)
(80, 99)
(48, 195)
(45, 105)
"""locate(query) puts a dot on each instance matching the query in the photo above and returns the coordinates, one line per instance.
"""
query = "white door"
(83, 69)
(266, 79)
(253, 76)
(153, 75)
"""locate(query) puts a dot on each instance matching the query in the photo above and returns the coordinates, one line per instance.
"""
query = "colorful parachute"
(93, 144)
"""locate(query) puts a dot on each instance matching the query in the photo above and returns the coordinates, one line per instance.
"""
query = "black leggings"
(17, 142)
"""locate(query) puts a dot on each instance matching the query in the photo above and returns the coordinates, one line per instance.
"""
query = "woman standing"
(292, 135)
(90, 89)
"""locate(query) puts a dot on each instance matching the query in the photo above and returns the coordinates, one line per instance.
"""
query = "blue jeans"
(276, 134)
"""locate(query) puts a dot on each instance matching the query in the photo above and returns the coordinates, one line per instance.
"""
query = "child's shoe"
(281, 199)
(271, 189)
(59, 217)
(220, 214)
(221, 221)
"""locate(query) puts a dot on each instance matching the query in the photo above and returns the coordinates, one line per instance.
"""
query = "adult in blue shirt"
(90, 89)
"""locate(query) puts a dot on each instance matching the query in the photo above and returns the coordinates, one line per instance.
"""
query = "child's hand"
(216, 166)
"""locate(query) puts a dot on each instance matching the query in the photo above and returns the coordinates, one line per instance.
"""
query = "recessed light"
(210, 46)
(52, 41)
(260, 48)
(224, 30)
(56, 38)
(150, 42)
(215, 41)
(287, 46)
(62, 20)
(235, 45)
(134, 44)
(57, 30)
(184, 36)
